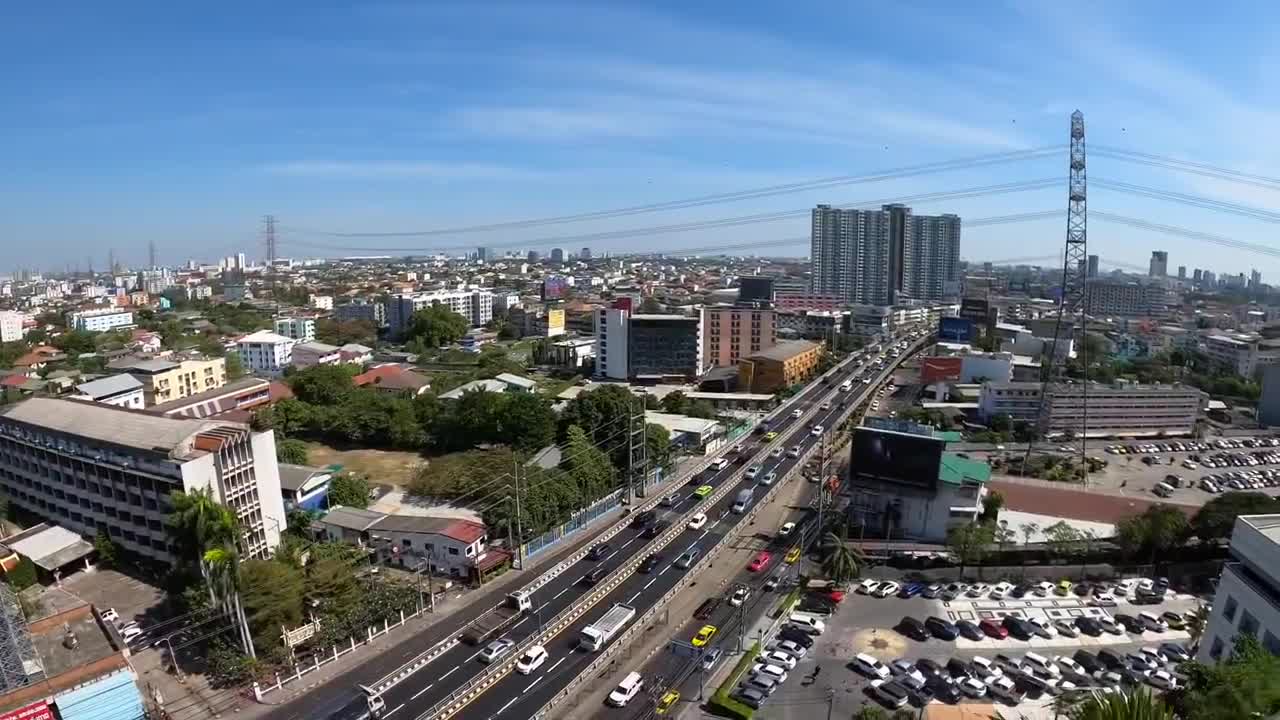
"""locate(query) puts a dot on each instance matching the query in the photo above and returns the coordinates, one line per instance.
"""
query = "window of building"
(1215, 651)
(406, 542)
(1248, 623)
(453, 551)
(1229, 609)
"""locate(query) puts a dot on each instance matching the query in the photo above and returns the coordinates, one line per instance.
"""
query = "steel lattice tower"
(1075, 259)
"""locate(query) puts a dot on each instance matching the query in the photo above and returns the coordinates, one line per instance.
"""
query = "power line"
(767, 191)
(1188, 166)
(1192, 200)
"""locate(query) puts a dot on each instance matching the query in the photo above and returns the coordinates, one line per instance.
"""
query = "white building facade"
(611, 343)
(265, 353)
(475, 305)
(10, 326)
(1247, 600)
(296, 329)
(100, 320)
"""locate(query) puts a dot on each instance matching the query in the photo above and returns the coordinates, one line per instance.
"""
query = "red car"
(994, 629)
(760, 561)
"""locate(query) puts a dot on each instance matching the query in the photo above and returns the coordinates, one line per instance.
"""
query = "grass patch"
(391, 467)
(721, 700)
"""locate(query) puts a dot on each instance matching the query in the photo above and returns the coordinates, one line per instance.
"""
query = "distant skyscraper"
(1182, 272)
(880, 257)
(1159, 264)
(585, 254)
(557, 255)
(533, 256)
(1209, 279)
(1255, 280)
(484, 254)
(1092, 269)
(1195, 276)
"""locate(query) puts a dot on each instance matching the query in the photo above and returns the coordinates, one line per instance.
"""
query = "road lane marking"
(389, 714)
(535, 682)
(513, 627)
(646, 587)
(625, 544)
(455, 667)
(510, 702)
(633, 597)
(544, 607)
(553, 667)
(475, 655)
(606, 558)
(415, 695)
(666, 569)
(557, 596)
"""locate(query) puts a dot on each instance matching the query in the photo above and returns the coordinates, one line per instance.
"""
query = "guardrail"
(477, 685)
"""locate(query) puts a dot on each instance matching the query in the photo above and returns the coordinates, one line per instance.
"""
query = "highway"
(519, 696)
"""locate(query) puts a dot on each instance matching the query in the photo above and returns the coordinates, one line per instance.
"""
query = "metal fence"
(580, 520)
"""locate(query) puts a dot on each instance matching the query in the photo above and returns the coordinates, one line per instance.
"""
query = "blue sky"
(132, 122)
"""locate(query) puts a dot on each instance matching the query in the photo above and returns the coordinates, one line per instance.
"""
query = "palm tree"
(842, 562)
(1137, 704)
(1196, 621)
(199, 522)
(223, 566)
(1029, 529)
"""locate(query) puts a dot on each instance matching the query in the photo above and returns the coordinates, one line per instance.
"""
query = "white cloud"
(423, 170)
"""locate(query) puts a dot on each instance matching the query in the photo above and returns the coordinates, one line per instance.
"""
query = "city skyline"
(398, 137)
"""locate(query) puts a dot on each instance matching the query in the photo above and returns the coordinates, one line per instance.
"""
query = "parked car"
(1130, 623)
(913, 629)
(969, 630)
(993, 629)
(871, 666)
(941, 629)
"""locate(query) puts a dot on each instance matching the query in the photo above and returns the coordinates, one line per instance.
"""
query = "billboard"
(555, 322)
(35, 711)
(955, 330)
(883, 456)
(941, 369)
(553, 287)
(975, 309)
(755, 288)
(899, 426)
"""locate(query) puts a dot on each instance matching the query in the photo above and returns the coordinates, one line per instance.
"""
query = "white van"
(627, 689)
(1163, 489)
(1040, 662)
(808, 623)
(719, 464)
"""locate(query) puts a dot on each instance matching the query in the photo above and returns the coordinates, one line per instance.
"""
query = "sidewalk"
(739, 547)
(193, 698)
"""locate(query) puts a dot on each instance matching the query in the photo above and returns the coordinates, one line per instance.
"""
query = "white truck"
(598, 634)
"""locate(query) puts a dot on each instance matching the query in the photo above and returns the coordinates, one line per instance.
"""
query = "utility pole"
(269, 238)
(151, 255)
(742, 626)
(637, 451)
(519, 546)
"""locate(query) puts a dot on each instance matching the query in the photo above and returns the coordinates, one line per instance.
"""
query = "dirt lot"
(391, 467)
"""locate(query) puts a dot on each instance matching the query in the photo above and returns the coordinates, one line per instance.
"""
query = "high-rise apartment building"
(1182, 272)
(730, 333)
(611, 342)
(1092, 268)
(95, 468)
(882, 257)
(100, 320)
(557, 255)
(585, 254)
(1159, 266)
(10, 326)
(1255, 280)
(1196, 275)
(484, 254)
(1131, 299)
(474, 305)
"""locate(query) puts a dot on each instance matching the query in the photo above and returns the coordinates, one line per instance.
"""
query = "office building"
(1247, 599)
(1196, 276)
(557, 255)
(474, 305)
(118, 390)
(1129, 410)
(322, 302)
(730, 332)
(1182, 272)
(585, 254)
(1255, 280)
(779, 367)
(665, 347)
(1092, 267)
(882, 257)
(10, 326)
(234, 400)
(1127, 299)
(533, 256)
(870, 321)
(611, 325)
(484, 254)
(91, 468)
(1159, 265)
(1245, 354)
(166, 380)
(297, 329)
(265, 353)
(373, 312)
(100, 320)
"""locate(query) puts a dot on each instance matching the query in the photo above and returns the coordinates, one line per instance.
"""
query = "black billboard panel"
(884, 456)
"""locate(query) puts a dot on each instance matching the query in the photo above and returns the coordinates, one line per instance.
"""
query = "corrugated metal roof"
(107, 423)
(109, 386)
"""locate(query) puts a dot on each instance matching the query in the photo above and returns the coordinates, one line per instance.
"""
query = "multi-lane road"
(516, 694)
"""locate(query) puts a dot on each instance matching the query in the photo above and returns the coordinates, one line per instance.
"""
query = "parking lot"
(865, 624)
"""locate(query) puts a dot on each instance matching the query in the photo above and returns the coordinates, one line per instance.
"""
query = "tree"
(1157, 529)
(603, 413)
(1244, 685)
(841, 563)
(1196, 621)
(1028, 530)
(291, 451)
(1061, 539)
(235, 370)
(349, 490)
(527, 422)
(323, 384)
(871, 712)
(650, 305)
(342, 332)
(588, 466)
(1132, 704)
(969, 543)
(1216, 518)
(1000, 423)
(436, 325)
(108, 553)
(272, 597)
(991, 506)
(657, 441)
(199, 523)
(75, 342)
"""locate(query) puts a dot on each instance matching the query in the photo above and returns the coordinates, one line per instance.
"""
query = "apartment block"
(1247, 600)
(297, 329)
(611, 327)
(729, 333)
(779, 367)
(265, 353)
(10, 326)
(474, 305)
(373, 312)
(100, 320)
(665, 346)
(118, 390)
(165, 380)
(1245, 354)
(91, 468)
(1127, 299)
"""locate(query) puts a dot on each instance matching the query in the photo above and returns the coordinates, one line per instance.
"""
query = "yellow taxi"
(703, 491)
(792, 556)
(667, 702)
(769, 436)
(704, 636)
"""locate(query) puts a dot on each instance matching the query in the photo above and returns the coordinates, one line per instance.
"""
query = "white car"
(866, 587)
(972, 687)
(1005, 689)
(531, 660)
(786, 529)
(776, 452)
(131, 633)
(741, 594)
(1067, 663)
(1044, 589)
(792, 648)
(985, 668)
(1043, 627)
(816, 431)
(495, 650)
(1000, 589)
(871, 666)
(794, 451)
(887, 589)
(797, 413)
(1162, 679)
(779, 658)
(697, 521)
(775, 673)
(904, 668)
(978, 590)
(110, 615)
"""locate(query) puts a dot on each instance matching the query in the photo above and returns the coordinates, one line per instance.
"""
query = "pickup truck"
(496, 620)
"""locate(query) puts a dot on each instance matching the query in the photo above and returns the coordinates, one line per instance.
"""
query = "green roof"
(949, 436)
(955, 470)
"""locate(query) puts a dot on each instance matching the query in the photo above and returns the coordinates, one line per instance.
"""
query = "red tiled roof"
(464, 531)
(16, 380)
(279, 391)
(391, 376)
(374, 374)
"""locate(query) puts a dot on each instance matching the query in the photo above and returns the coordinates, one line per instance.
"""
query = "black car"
(913, 629)
(644, 519)
(593, 575)
(1082, 589)
(1088, 661)
(1019, 590)
(929, 668)
(1089, 626)
(1008, 664)
(817, 605)
(969, 630)
(654, 529)
(941, 629)
(707, 607)
(1017, 627)
(1130, 623)
(795, 635)
(1112, 659)
(599, 551)
(959, 669)
(943, 689)
(650, 562)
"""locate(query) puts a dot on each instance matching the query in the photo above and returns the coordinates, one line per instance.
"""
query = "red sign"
(936, 369)
(34, 711)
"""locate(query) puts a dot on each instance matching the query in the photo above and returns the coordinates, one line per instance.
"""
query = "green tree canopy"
(75, 342)
(657, 440)
(603, 413)
(1215, 519)
(1156, 530)
(527, 422)
(323, 384)
(350, 490)
(436, 325)
(1133, 704)
(199, 523)
(291, 451)
(1245, 685)
(272, 596)
(342, 332)
(970, 542)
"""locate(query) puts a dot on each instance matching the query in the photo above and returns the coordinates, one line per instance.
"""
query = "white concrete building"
(611, 343)
(1248, 595)
(1130, 410)
(265, 352)
(10, 326)
(120, 390)
(1244, 354)
(475, 305)
(322, 302)
(572, 353)
(310, 354)
(100, 320)
(91, 467)
(297, 329)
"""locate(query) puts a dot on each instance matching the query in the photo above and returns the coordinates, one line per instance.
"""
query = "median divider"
(478, 685)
